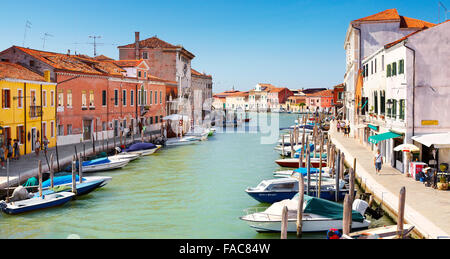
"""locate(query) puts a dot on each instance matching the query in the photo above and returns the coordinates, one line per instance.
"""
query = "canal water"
(192, 192)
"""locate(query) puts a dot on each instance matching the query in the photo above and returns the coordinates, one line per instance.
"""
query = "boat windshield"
(262, 185)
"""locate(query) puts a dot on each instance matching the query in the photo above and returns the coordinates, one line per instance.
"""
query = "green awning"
(380, 137)
(373, 127)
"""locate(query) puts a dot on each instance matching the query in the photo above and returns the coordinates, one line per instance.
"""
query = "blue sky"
(240, 42)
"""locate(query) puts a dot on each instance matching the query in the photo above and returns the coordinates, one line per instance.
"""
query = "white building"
(364, 37)
(406, 87)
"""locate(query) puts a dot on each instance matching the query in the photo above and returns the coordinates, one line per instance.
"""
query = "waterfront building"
(95, 98)
(220, 99)
(338, 98)
(237, 101)
(364, 37)
(322, 100)
(169, 62)
(296, 103)
(277, 97)
(28, 107)
(201, 97)
(405, 95)
(258, 97)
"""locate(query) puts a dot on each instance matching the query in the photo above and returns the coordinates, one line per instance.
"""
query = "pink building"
(322, 99)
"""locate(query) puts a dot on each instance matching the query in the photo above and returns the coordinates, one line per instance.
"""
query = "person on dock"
(16, 149)
(9, 149)
(338, 126)
(2, 156)
(378, 161)
(37, 148)
(45, 143)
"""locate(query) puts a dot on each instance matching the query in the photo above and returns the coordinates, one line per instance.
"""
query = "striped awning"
(380, 137)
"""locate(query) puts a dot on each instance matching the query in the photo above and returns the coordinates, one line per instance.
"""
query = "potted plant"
(442, 184)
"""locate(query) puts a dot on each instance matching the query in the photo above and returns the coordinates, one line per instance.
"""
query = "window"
(83, 99)
(145, 97)
(156, 119)
(60, 130)
(394, 109)
(375, 66)
(52, 98)
(151, 96)
(151, 120)
(6, 98)
(402, 109)
(131, 98)
(388, 70)
(160, 97)
(375, 100)
(104, 126)
(383, 102)
(69, 129)
(19, 98)
(389, 110)
(44, 98)
(139, 97)
(52, 129)
(382, 62)
(69, 98)
(116, 97)
(20, 133)
(44, 129)
(371, 67)
(156, 97)
(145, 55)
(124, 97)
(60, 98)
(104, 98)
(124, 123)
(139, 73)
(91, 98)
(401, 67)
(394, 68)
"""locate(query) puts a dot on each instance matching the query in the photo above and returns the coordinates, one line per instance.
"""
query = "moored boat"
(318, 215)
(182, 141)
(295, 163)
(103, 164)
(37, 203)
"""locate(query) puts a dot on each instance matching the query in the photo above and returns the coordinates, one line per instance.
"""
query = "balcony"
(35, 111)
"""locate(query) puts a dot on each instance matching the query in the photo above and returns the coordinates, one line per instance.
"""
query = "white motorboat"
(103, 164)
(129, 156)
(141, 149)
(36, 203)
(318, 215)
(292, 173)
(182, 141)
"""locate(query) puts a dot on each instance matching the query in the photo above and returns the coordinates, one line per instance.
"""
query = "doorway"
(87, 129)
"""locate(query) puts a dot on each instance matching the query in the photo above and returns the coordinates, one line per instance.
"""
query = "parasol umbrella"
(407, 148)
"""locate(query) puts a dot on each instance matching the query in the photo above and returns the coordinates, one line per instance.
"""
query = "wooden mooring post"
(74, 182)
(401, 213)
(80, 169)
(301, 193)
(52, 173)
(319, 182)
(40, 177)
(308, 170)
(292, 143)
(282, 146)
(336, 176)
(347, 216)
(284, 222)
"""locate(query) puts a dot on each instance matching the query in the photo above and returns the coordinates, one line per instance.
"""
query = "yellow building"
(27, 107)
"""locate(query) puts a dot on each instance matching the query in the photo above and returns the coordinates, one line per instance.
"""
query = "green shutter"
(388, 70)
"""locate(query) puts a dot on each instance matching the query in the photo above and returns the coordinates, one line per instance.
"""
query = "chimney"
(136, 41)
(68, 52)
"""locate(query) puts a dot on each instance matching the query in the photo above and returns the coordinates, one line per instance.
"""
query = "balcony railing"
(35, 111)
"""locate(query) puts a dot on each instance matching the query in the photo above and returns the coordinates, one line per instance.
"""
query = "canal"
(191, 192)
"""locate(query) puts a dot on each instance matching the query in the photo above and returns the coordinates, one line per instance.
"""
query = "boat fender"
(360, 206)
(119, 150)
(333, 234)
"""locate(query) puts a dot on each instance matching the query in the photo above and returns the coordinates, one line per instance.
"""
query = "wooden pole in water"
(336, 176)
(301, 193)
(346, 222)
(342, 167)
(352, 184)
(7, 180)
(292, 143)
(284, 222)
(80, 169)
(74, 183)
(401, 212)
(319, 182)
(282, 146)
(308, 169)
(40, 177)
(52, 184)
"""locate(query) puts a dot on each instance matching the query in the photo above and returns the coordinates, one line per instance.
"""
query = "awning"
(374, 127)
(439, 140)
(380, 137)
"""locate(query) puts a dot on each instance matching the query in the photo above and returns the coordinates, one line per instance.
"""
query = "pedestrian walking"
(2, 155)
(9, 149)
(37, 147)
(378, 162)
(16, 148)
(338, 126)
(45, 144)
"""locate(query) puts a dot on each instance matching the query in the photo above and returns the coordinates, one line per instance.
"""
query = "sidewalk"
(426, 208)
(27, 165)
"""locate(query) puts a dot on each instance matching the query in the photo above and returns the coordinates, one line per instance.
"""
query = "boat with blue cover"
(89, 183)
(103, 164)
(37, 203)
(142, 149)
(274, 190)
(82, 188)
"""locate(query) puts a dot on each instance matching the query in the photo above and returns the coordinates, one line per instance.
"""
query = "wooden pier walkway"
(426, 208)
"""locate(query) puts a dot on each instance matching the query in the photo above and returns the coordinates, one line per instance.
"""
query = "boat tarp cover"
(140, 146)
(328, 209)
(61, 180)
(97, 161)
(304, 171)
(31, 182)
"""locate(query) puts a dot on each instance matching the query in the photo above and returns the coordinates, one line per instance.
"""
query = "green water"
(194, 191)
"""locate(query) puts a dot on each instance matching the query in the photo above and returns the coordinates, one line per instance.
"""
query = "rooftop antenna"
(440, 4)
(27, 26)
(44, 38)
(95, 44)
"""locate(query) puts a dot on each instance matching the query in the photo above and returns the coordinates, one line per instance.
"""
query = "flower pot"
(442, 186)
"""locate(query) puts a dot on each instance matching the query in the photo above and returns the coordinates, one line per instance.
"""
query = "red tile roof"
(74, 63)
(326, 93)
(392, 15)
(15, 71)
(277, 89)
(127, 63)
(196, 73)
(103, 58)
(153, 42)
(238, 94)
